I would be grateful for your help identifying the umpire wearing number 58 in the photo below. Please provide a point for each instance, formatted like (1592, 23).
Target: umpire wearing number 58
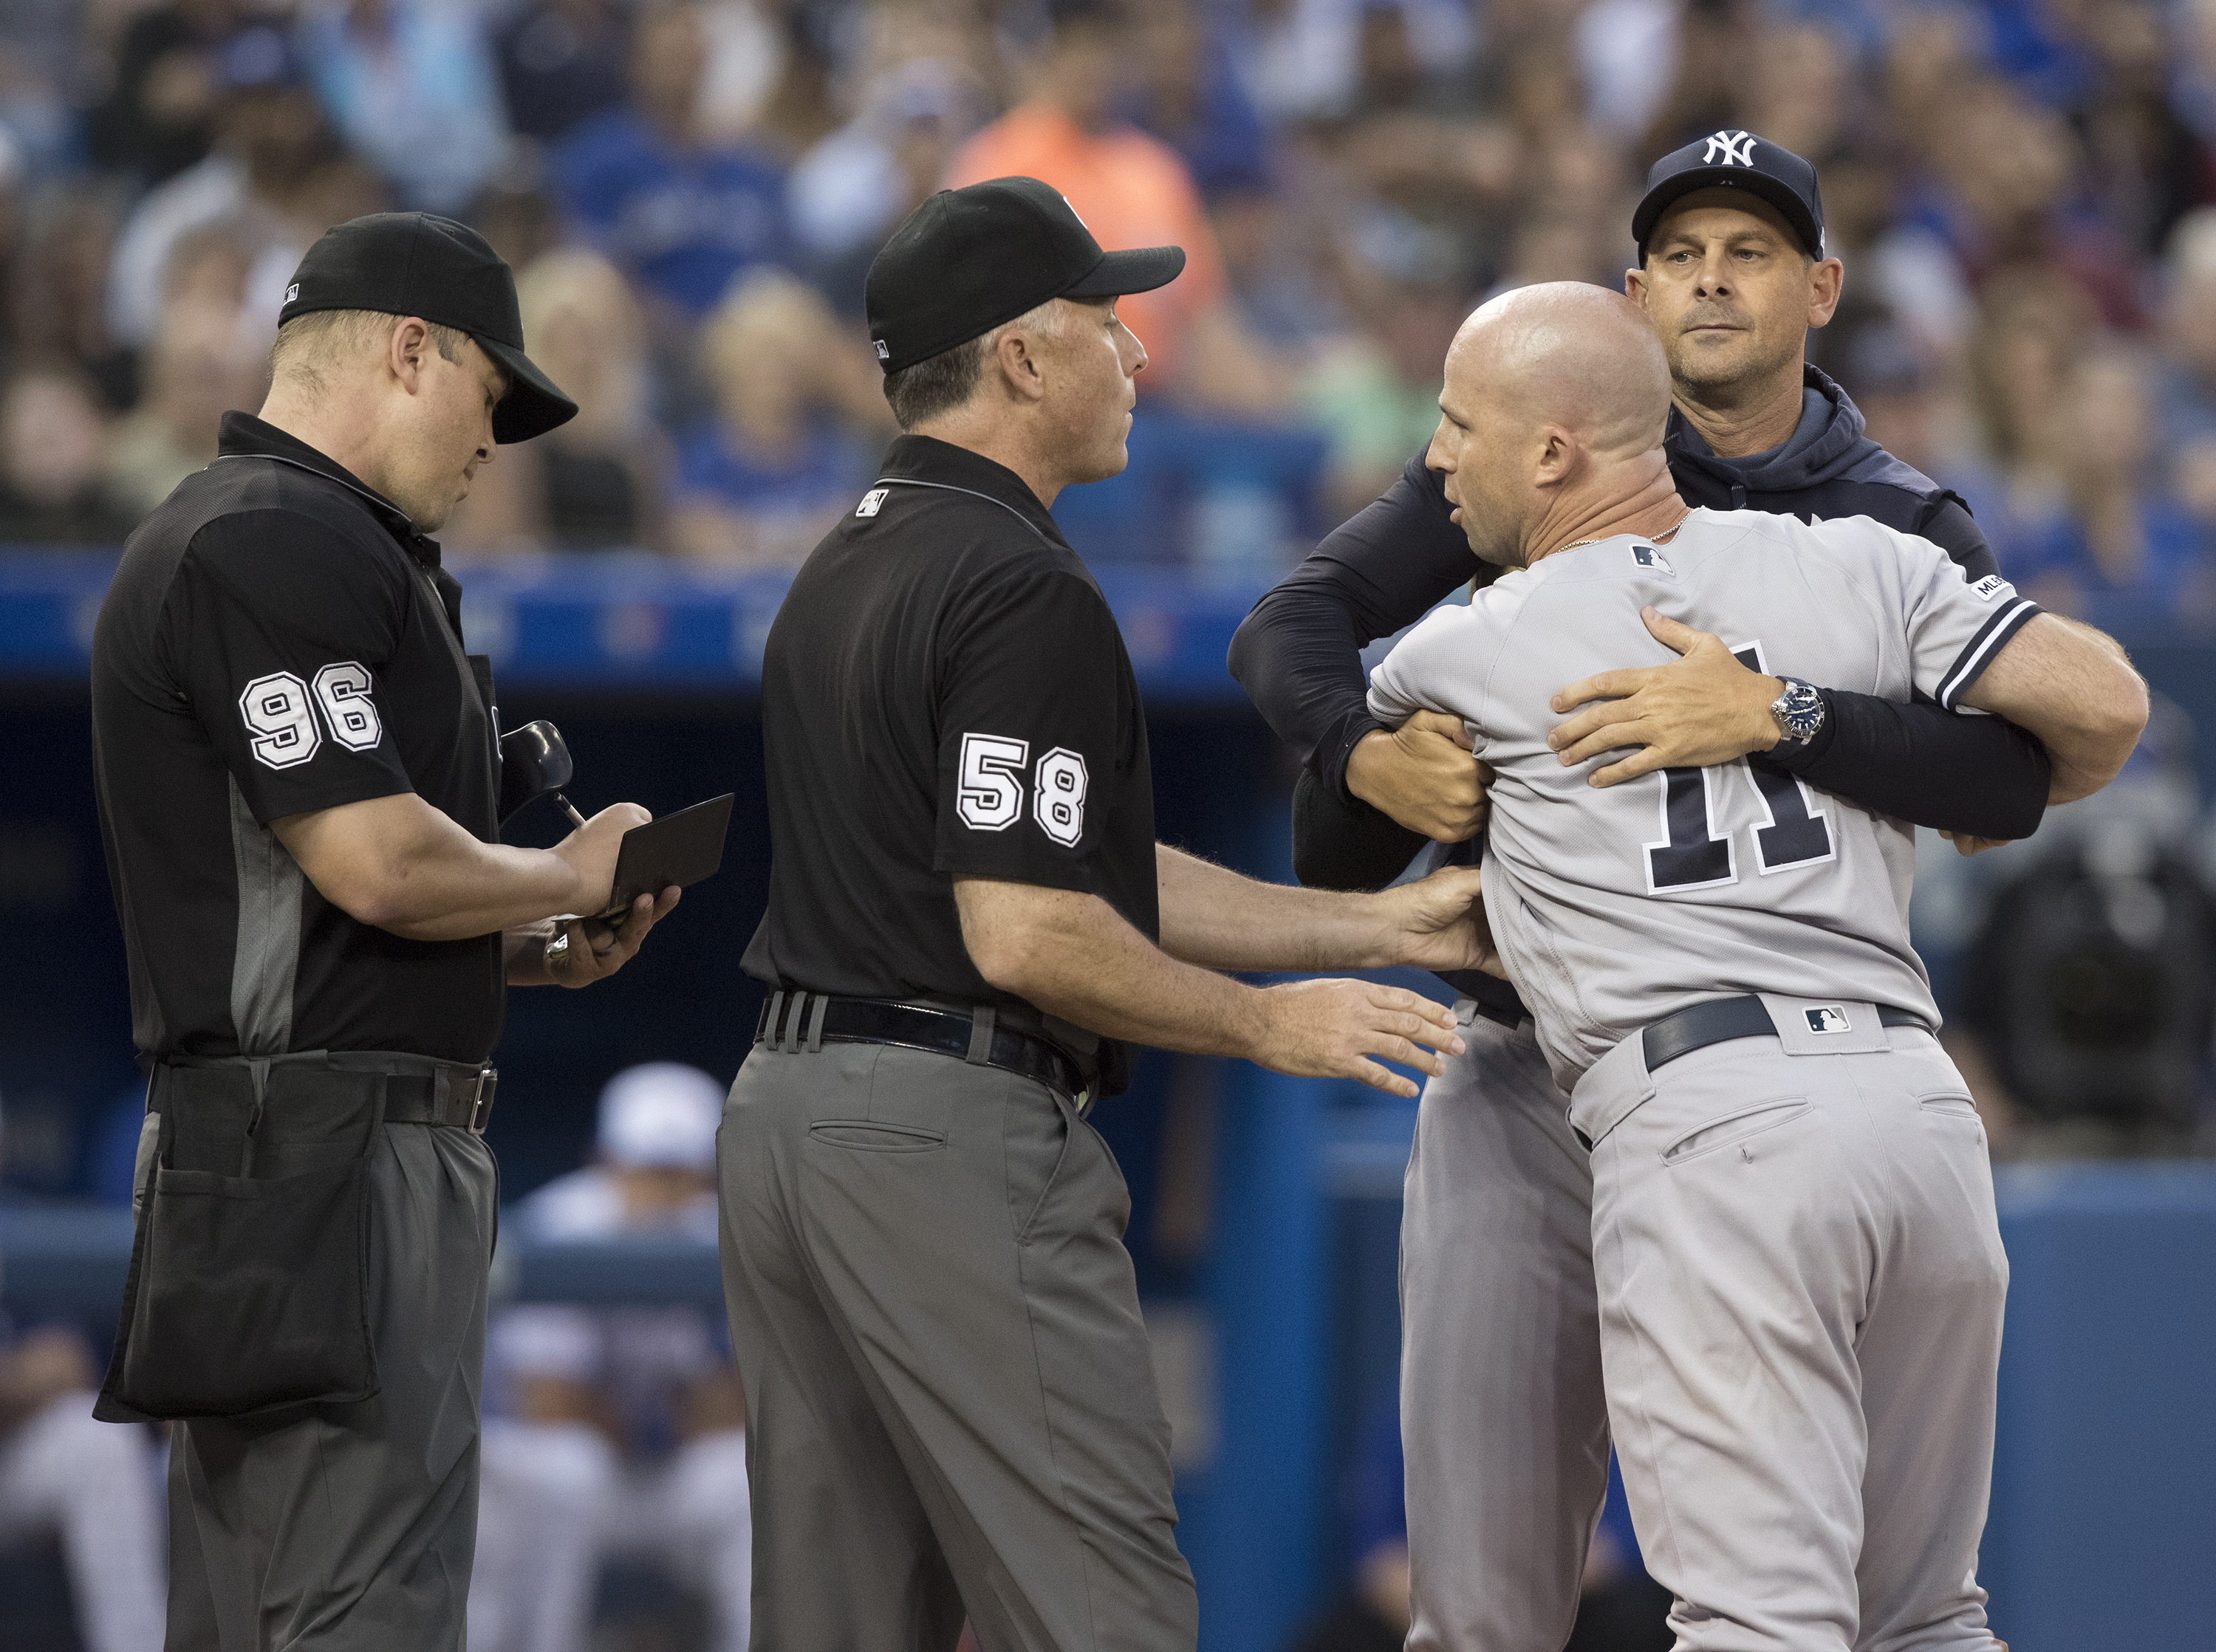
(951, 1409)
(299, 790)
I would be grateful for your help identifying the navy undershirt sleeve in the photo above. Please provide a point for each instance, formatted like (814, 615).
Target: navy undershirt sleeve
(1298, 652)
(1921, 763)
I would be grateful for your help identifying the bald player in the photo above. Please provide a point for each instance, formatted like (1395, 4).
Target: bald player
(1801, 1279)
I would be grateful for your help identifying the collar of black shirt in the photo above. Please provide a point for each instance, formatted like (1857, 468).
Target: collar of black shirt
(244, 436)
(942, 465)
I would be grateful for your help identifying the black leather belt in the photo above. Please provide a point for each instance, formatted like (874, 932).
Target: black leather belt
(459, 1096)
(806, 1021)
(419, 1089)
(1699, 1025)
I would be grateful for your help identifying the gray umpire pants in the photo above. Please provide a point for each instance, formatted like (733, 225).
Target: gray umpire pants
(951, 1406)
(1800, 1283)
(1503, 1417)
(351, 1528)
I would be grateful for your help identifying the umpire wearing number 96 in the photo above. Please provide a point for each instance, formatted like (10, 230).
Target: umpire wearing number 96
(951, 1410)
(299, 790)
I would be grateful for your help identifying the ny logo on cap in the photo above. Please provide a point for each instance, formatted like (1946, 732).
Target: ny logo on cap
(1731, 147)
(1829, 1018)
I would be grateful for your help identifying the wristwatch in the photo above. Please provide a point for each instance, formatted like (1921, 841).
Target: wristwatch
(1798, 712)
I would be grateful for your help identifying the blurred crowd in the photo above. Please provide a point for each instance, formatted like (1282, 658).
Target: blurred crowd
(691, 191)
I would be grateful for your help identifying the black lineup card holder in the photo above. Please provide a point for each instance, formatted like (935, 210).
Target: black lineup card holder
(681, 849)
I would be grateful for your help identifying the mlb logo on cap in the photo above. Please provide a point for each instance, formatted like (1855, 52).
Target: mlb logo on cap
(1827, 1018)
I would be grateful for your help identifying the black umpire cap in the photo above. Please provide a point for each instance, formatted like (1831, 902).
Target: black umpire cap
(420, 264)
(1735, 160)
(968, 260)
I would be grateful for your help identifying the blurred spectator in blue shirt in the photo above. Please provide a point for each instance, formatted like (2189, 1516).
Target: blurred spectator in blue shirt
(597, 483)
(763, 478)
(411, 85)
(1190, 97)
(561, 63)
(2006, 187)
(616, 1430)
(682, 213)
(2123, 542)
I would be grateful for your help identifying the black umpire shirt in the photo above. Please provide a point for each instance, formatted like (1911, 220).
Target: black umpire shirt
(278, 640)
(945, 693)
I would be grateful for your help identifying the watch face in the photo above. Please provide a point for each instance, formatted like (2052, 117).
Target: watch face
(1800, 710)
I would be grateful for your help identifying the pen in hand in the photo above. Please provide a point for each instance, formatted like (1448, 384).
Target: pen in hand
(570, 810)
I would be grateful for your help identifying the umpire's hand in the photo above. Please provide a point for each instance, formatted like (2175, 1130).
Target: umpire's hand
(588, 950)
(1346, 1030)
(1438, 922)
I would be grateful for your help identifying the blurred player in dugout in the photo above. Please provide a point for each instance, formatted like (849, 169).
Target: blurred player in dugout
(615, 1431)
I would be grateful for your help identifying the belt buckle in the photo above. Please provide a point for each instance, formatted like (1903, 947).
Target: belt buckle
(481, 1100)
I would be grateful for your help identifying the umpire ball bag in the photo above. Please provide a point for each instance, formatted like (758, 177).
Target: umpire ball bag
(249, 1288)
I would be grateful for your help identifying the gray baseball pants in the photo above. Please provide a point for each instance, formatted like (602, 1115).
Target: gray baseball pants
(1801, 1282)
(951, 1406)
(1502, 1413)
(351, 1528)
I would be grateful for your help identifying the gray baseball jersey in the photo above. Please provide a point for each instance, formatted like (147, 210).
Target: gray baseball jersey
(1615, 906)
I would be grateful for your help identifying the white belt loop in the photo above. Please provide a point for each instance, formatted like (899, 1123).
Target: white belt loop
(816, 1015)
(982, 1022)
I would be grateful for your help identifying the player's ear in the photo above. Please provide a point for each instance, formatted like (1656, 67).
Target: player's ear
(1556, 458)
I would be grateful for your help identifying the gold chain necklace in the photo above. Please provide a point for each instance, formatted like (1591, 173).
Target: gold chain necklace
(1660, 538)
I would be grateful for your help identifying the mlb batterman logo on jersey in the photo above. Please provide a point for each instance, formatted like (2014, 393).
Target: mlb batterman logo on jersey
(1647, 556)
(1828, 1018)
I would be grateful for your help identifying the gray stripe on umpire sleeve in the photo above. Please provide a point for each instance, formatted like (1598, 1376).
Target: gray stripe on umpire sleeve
(267, 958)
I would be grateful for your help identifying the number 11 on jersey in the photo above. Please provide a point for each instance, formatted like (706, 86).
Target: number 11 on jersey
(1691, 853)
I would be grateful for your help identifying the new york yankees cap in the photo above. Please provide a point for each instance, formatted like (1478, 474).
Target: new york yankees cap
(1735, 160)
(968, 260)
(420, 264)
